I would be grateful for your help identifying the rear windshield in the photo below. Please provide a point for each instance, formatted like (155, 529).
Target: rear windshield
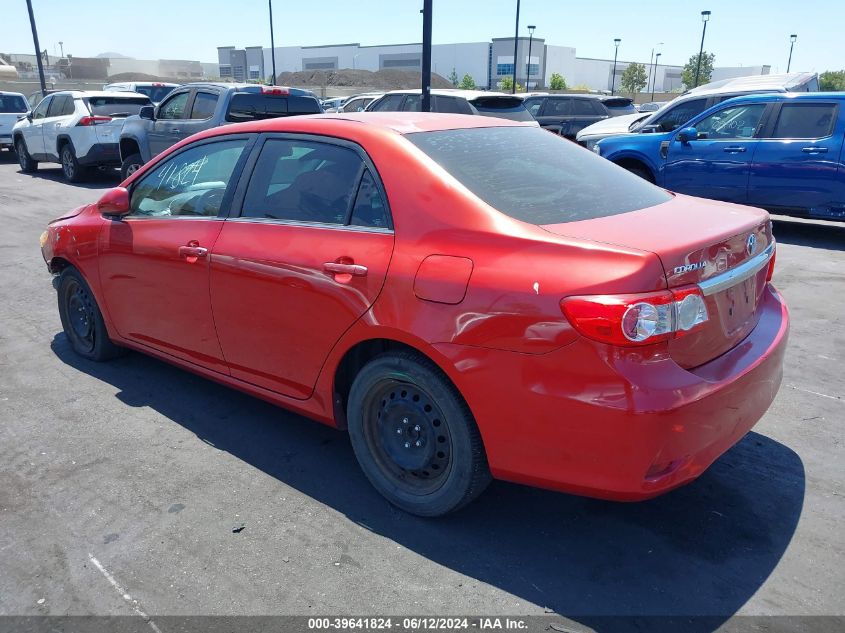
(13, 104)
(504, 107)
(251, 106)
(116, 106)
(155, 93)
(619, 106)
(537, 177)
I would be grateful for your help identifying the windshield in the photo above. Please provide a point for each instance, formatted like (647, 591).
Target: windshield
(155, 93)
(116, 106)
(537, 177)
(13, 104)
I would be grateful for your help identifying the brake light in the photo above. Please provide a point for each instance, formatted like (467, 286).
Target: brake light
(771, 272)
(637, 319)
(93, 120)
(157, 85)
(274, 90)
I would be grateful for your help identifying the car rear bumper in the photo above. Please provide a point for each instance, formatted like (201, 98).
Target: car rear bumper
(101, 154)
(619, 424)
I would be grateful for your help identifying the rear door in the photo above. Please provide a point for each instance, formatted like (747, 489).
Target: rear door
(716, 164)
(305, 258)
(796, 164)
(171, 117)
(60, 113)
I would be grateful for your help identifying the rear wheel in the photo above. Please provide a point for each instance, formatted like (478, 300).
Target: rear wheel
(130, 165)
(82, 320)
(73, 171)
(414, 436)
(24, 159)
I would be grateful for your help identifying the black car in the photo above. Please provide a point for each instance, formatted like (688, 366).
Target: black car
(569, 114)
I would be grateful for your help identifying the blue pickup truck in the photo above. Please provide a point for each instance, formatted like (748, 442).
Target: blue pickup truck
(781, 152)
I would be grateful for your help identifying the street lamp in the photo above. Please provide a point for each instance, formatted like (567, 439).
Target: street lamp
(515, 48)
(616, 43)
(792, 39)
(654, 79)
(272, 44)
(651, 63)
(528, 66)
(62, 48)
(705, 17)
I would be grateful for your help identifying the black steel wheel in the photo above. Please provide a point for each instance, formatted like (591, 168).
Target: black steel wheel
(82, 320)
(414, 435)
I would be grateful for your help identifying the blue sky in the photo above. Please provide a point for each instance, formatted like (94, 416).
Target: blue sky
(741, 32)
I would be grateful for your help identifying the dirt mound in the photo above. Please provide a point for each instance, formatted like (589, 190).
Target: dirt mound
(387, 78)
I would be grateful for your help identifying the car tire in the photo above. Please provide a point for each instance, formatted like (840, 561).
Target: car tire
(27, 164)
(414, 435)
(642, 172)
(82, 320)
(130, 165)
(72, 170)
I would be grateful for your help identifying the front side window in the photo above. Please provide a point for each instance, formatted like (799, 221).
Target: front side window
(189, 184)
(41, 111)
(533, 106)
(674, 118)
(308, 181)
(174, 107)
(805, 120)
(390, 103)
(738, 122)
(204, 105)
(536, 177)
(413, 103)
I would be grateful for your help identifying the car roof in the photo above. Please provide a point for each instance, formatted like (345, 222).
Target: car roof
(11, 94)
(155, 84)
(77, 94)
(469, 95)
(772, 83)
(767, 97)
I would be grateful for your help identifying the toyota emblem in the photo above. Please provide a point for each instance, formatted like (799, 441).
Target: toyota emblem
(751, 244)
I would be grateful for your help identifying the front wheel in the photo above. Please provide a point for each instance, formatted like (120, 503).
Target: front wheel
(130, 165)
(82, 320)
(414, 436)
(24, 159)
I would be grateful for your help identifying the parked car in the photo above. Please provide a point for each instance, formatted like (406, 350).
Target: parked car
(568, 114)
(331, 105)
(155, 90)
(192, 108)
(455, 101)
(693, 102)
(359, 103)
(781, 152)
(651, 106)
(13, 106)
(78, 129)
(551, 320)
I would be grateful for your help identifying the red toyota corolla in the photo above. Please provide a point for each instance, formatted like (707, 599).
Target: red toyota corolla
(468, 296)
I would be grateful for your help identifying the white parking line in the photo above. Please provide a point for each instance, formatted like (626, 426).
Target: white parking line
(123, 593)
(815, 393)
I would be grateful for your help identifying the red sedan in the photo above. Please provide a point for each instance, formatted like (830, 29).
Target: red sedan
(470, 297)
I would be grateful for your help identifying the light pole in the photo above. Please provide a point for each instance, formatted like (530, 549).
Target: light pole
(651, 63)
(792, 39)
(616, 43)
(528, 66)
(515, 47)
(425, 106)
(37, 48)
(62, 48)
(654, 79)
(705, 17)
(272, 45)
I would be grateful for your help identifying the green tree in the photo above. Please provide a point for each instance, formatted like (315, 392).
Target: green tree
(557, 82)
(633, 79)
(467, 83)
(688, 74)
(506, 85)
(453, 78)
(832, 81)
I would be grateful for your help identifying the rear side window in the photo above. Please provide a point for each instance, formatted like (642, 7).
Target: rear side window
(533, 106)
(303, 181)
(504, 107)
(585, 107)
(116, 106)
(369, 208)
(58, 106)
(252, 106)
(450, 105)
(805, 120)
(389, 103)
(413, 103)
(204, 105)
(11, 104)
(537, 177)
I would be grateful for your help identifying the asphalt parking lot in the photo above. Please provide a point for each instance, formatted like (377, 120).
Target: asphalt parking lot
(134, 474)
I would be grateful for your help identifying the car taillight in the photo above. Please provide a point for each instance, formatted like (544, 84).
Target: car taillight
(770, 273)
(637, 319)
(274, 90)
(93, 120)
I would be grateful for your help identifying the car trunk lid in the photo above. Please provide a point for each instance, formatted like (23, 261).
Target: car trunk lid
(109, 112)
(722, 248)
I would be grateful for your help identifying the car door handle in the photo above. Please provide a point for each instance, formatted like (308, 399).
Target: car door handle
(734, 150)
(192, 251)
(175, 130)
(814, 150)
(345, 269)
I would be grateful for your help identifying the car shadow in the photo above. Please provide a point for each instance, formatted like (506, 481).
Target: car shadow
(702, 550)
(94, 179)
(828, 235)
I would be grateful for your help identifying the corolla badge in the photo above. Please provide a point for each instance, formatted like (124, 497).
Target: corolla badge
(688, 268)
(751, 244)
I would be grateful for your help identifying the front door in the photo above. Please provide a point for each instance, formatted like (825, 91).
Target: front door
(33, 133)
(717, 163)
(171, 117)
(154, 262)
(796, 163)
(306, 258)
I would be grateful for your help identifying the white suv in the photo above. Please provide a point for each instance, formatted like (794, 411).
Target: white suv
(75, 128)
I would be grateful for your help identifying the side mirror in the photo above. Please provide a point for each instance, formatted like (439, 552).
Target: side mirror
(147, 112)
(687, 134)
(115, 202)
